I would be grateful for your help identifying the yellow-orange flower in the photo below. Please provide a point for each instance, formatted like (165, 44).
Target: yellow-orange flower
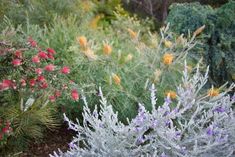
(116, 79)
(94, 22)
(168, 43)
(168, 58)
(82, 41)
(107, 49)
(213, 92)
(171, 94)
(132, 33)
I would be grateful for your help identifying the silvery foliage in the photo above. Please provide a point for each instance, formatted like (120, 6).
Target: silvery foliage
(198, 126)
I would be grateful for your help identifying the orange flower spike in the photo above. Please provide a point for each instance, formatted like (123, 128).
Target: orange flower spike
(168, 59)
(116, 79)
(172, 94)
(107, 49)
(213, 92)
(82, 41)
(132, 33)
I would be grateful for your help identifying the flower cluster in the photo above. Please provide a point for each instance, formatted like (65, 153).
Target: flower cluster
(200, 124)
(35, 73)
(5, 131)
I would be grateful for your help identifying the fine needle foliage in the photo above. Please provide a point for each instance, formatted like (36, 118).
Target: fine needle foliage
(202, 124)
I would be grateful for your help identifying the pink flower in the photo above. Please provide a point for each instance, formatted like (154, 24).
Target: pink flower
(50, 56)
(57, 93)
(74, 94)
(49, 67)
(16, 62)
(52, 98)
(23, 82)
(18, 54)
(5, 84)
(51, 51)
(32, 42)
(42, 55)
(5, 130)
(36, 59)
(38, 71)
(41, 78)
(65, 70)
(32, 82)
(44, 85)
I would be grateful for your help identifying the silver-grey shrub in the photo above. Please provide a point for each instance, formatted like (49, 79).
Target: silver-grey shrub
(197, 126)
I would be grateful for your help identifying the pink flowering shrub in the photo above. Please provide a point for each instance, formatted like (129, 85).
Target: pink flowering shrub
(34, 72)
(31, 86)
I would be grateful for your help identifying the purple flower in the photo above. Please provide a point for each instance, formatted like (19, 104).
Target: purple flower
(168, 100)
(219, 109)
(71, 145)
(163, 155)
(154, 123)
(140, 140)
(210, 130)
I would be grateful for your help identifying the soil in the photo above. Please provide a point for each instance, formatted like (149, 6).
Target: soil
(51, 142)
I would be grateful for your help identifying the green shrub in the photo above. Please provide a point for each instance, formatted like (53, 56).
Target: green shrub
(218, 38)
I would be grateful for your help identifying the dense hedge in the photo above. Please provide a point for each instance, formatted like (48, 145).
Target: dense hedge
(219, 42)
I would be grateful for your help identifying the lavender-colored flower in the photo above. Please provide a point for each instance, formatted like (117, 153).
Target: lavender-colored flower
(163, 155)
(210, 130)
(219, 109)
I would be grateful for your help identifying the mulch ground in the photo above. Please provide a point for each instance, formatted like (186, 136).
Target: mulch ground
(51, 142)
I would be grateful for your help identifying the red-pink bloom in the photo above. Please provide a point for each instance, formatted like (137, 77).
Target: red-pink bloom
(32, 82)
(5, 130)
(52, 98)
(32, 42)
(49, 67)
(5, 84)
(41, 78)
(36, 59)
(38, 71)
(44, 85)
(50, 56)
(18, 54)
(23, 82)
(65, 70)
(74, 94)
(57, 93)
(51, 51)
(42, 55)
(16, 62)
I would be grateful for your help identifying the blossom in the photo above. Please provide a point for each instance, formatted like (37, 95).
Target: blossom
(42, 55)
(90, 54)
(116, 79)
(168, 58)
(43, 85)
(36, 59)
(213, 92)
(5, 130)
(49, 67)
(38, 71)
(132, 33)
(168, 43)
(32, 82)
(74, 94)
(5, 84)
(50, 56)
(23, 82)
(51, 51)
(65, 70)
(82, 41)
(52, 98)
(18, 54)
(107, 49)
(171, 94)
(57, 93)
(41, 78)
(16, 62)
(32, 42)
